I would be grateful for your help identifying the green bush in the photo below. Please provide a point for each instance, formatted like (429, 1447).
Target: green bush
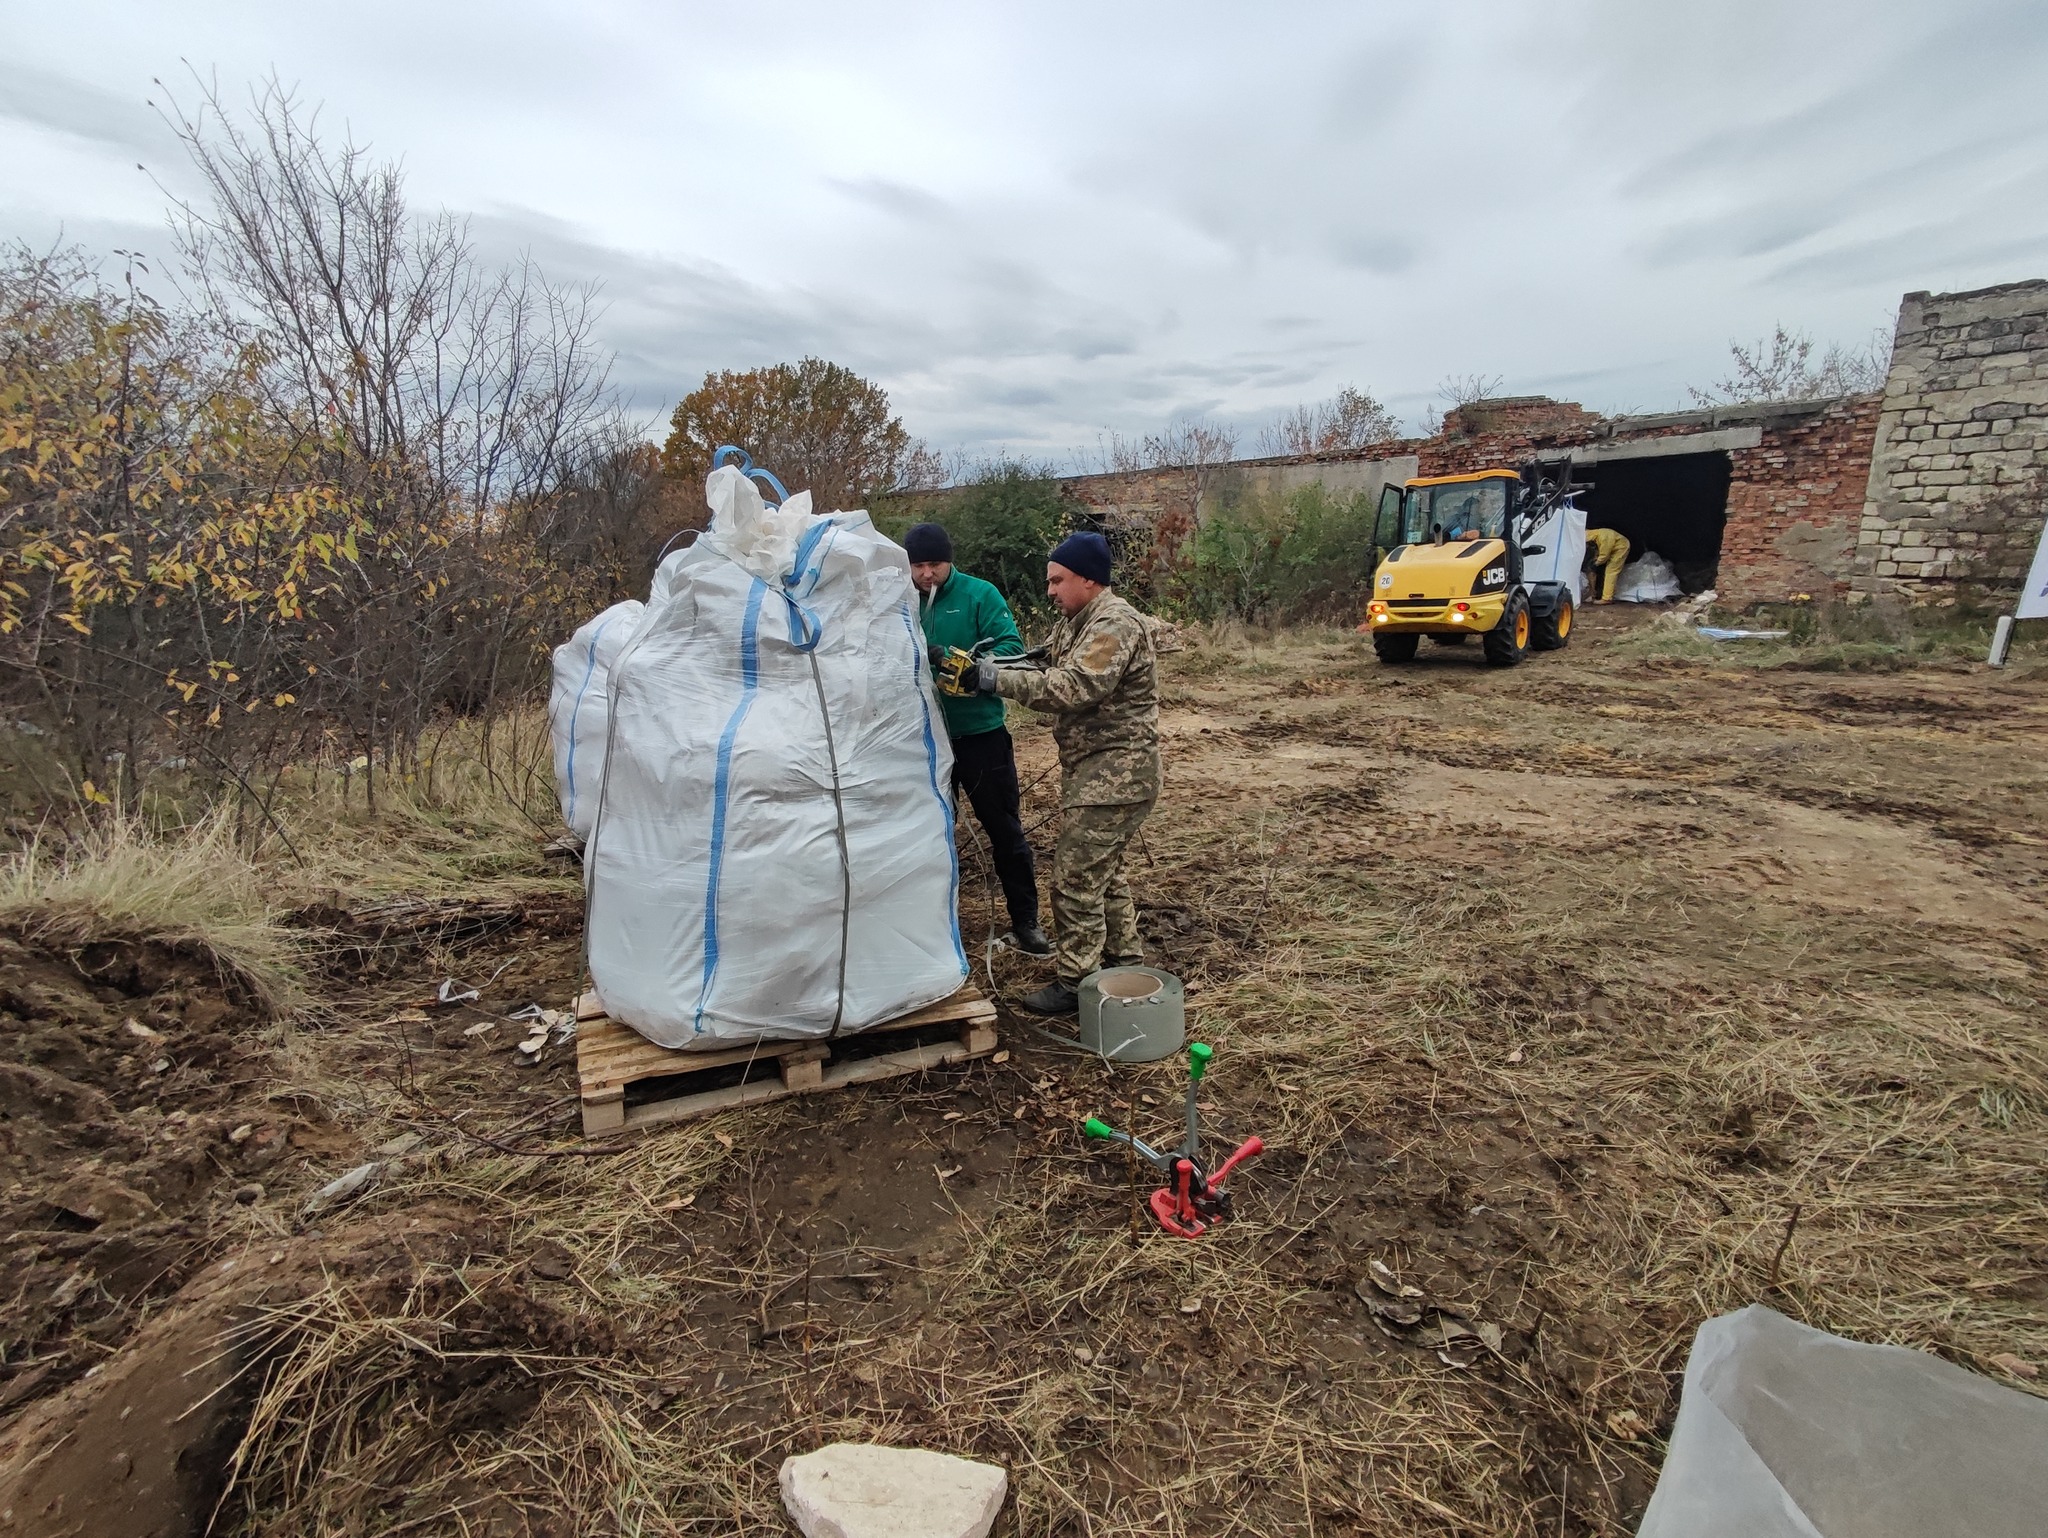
(1282, 559)
(1003, 520)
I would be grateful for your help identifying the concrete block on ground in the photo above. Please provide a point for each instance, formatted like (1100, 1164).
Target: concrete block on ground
(859, 1490)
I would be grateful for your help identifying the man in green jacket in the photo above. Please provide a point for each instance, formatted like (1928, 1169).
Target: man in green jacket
(963, 611)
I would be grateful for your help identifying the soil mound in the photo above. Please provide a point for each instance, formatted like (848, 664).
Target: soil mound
(132, 1077)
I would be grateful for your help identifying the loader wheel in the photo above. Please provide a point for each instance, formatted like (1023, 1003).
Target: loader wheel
(1506, 642)
(1552, 630)
(1396, 648)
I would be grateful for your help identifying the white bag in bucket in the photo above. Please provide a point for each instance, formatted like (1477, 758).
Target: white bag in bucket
(773, 858)
(579, 709)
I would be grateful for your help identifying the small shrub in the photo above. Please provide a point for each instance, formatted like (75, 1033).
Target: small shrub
(1003, 520)
(1276, 560)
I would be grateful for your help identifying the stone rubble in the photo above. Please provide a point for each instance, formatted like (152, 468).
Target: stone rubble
(859, 1490)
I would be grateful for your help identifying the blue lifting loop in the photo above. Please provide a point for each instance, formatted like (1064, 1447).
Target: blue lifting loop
(732, 451)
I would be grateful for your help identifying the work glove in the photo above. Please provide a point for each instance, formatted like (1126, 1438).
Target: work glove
(984, 676)
(935, 654)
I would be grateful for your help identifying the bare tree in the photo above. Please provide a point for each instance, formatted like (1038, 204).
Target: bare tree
(1780, 367)
(1349, 422)
(439, 397)
(380, 327)
(1188, 443)
(1456, 390)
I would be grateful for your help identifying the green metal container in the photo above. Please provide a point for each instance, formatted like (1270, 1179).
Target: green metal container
(1133, 1014)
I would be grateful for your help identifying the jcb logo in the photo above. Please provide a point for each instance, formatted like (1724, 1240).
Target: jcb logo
(1493, 576)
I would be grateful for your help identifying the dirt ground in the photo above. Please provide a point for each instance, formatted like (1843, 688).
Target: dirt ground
(1588, 998)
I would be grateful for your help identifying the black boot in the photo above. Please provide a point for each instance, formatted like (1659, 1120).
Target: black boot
(1031, 940)
(1054, 998)
(1123, 961)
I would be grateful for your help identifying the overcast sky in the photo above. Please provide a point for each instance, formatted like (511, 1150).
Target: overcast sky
(1036, 223)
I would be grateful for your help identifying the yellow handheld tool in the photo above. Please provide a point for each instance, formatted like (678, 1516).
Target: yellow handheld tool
(955, 673)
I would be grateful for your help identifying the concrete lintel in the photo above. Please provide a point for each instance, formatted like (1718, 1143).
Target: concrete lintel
(1724, 441)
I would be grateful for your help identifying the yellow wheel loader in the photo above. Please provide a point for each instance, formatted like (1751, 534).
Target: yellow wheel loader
(1495, 554)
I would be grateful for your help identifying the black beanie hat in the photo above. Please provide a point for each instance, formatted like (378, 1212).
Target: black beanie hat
(927, 542)
(1085, 554)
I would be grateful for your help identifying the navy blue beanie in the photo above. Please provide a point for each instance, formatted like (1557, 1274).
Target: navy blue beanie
(927, 542)
(1084, 554)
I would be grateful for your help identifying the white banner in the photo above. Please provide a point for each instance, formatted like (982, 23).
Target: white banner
(2034, 596)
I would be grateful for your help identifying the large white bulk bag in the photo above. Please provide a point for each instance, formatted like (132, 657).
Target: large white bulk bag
(774, 855)
(579, 709)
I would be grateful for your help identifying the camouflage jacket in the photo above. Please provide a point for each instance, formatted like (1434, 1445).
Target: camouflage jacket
(1101, 686)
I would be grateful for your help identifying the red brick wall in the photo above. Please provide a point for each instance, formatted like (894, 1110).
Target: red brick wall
(1794, 505)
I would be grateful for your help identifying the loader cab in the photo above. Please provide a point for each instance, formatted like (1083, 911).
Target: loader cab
(1463, 507)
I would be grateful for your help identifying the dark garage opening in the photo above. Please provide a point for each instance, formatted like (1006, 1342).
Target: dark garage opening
(1675, 504)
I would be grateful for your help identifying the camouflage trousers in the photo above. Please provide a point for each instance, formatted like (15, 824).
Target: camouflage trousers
(1092, 912)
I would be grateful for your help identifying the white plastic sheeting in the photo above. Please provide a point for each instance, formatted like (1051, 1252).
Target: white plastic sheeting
(1563, 538)
(1785, 1431)
(773, 858)
(1647, 579)
(579, 709)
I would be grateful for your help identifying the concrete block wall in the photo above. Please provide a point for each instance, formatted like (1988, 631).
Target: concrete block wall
(1958, 477)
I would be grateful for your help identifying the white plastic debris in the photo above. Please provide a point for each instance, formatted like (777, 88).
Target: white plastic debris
(1717, 633)
(543, 1027)
(1785, 1431)
(856, 1490)
(773, 854)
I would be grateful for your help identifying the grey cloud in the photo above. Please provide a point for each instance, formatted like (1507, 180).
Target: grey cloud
(1946, 79)
(1374, 83)
(1033, 253)
(912, 204)
(48, 100)
(1381, 254)
(1928, 256)
(1085, 346)
(1021, 395)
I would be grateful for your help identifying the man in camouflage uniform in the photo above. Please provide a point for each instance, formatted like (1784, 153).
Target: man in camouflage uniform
(1100, 684)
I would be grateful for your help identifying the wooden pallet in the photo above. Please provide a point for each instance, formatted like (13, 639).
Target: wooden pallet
(611, 1057)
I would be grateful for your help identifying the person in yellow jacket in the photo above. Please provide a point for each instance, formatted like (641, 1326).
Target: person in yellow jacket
(1610, 554)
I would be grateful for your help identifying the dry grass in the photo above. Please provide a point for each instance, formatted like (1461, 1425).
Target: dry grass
(475, 812)
(1579, 1093)
(474, 816)
(193, 888)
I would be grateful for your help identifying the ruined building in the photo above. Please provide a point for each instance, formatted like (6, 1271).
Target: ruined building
(1938, 480)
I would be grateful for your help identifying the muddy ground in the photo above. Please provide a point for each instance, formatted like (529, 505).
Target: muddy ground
(1590, 998)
